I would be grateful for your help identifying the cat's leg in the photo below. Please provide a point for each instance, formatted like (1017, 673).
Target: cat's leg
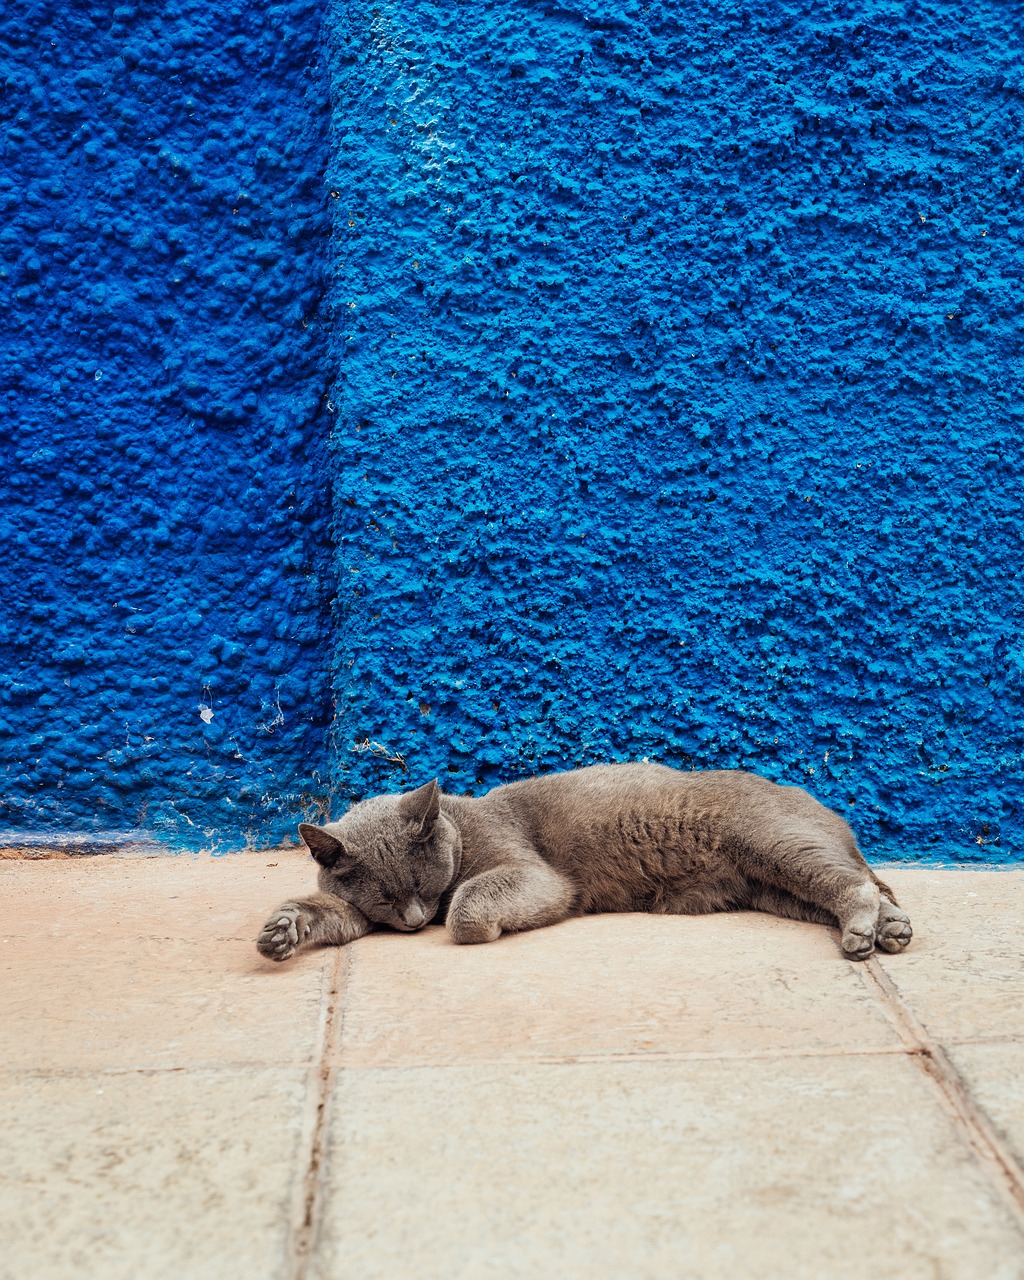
(319, 920)
(778, 902)
(508, 899)
(892, 929)
(823, 868)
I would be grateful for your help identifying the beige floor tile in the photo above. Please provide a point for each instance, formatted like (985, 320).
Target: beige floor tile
(227, 888)
(113, 962)
(825, 1169)
(994, 1075)
(631, 1096)
(183, 1175)
(611, 985)
(963, 975)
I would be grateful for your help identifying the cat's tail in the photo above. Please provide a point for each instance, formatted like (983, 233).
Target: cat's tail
(883, 888)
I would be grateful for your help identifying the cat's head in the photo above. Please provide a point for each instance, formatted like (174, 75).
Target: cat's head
(392, 856)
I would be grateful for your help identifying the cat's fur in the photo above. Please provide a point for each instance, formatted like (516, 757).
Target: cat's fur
(626, 837)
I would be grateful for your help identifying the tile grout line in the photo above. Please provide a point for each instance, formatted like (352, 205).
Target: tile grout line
(933, 1061)
(353, 1063)
(308, 1191)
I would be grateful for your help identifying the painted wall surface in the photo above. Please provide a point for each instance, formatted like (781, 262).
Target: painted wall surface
(678, 356)
(163, 493)
(670, 373)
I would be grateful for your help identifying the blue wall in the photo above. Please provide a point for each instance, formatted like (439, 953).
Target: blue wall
(164, 504)
(665, 361)
(678, 361)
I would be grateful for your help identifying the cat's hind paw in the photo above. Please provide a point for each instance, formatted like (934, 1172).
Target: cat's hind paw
(282, 933)
(858, 942)
(894, 931)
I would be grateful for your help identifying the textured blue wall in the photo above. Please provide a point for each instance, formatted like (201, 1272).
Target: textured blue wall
(678, 359)
(163, 497)
(675, 363)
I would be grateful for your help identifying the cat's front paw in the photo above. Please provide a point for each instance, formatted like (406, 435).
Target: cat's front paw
(466, 931)
(283, 932)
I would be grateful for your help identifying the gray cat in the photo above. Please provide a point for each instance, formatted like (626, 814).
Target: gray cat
(621, 837)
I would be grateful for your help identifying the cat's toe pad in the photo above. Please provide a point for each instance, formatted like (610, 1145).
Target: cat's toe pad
(858, 944)
(894, 934)
(280, 935)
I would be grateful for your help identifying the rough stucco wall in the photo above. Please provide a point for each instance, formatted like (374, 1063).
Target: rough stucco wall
(677, 352)
(164, 505)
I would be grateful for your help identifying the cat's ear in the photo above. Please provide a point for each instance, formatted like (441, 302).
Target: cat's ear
(328, 851)
(422, 807)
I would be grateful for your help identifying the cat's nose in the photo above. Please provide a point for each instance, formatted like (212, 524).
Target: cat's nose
(413, 915)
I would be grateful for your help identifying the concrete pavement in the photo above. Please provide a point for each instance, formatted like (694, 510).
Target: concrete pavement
(619, 1096)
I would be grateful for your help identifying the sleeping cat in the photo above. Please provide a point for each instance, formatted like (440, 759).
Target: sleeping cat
(621, 837)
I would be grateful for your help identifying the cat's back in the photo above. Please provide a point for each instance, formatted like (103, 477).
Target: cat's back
(583, 809)
(618, 788)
